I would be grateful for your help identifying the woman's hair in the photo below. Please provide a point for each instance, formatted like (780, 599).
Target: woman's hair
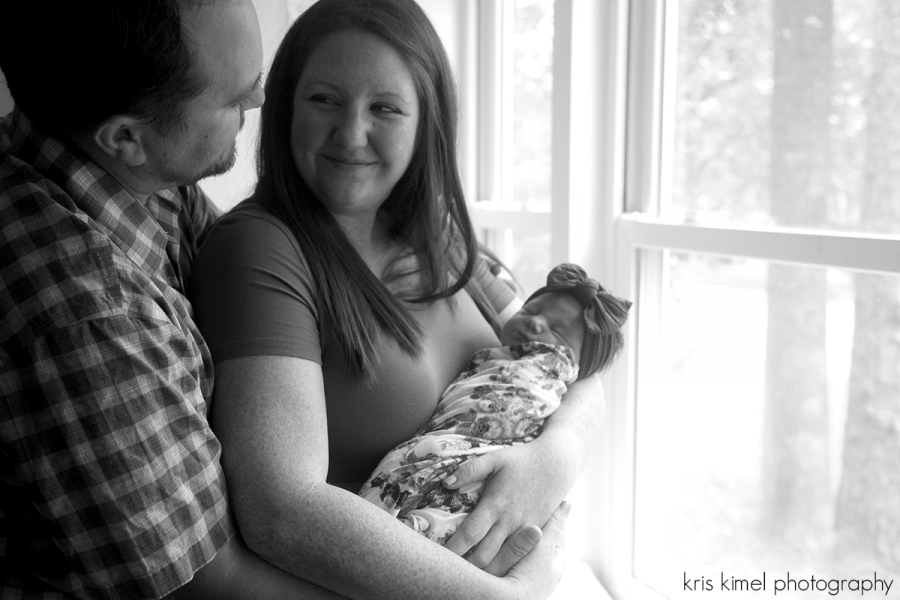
(71, 65)
(426, 208)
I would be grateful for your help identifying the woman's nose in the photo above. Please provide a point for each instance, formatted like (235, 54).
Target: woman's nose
(352, 130)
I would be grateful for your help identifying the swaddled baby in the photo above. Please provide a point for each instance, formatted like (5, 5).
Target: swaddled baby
(565, 331)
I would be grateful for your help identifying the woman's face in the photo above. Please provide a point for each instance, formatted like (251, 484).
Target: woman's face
(353, 130)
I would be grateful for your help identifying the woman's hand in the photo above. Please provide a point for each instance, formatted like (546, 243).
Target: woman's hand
(524, 484)
(540, 572)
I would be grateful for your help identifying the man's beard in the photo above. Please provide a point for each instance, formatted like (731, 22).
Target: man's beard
(222, 165)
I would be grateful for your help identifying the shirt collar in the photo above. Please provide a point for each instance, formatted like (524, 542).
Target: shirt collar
(142, 230)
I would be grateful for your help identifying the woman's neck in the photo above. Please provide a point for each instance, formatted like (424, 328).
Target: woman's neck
(369, 236)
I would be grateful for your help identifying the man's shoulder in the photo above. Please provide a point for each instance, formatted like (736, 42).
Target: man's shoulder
(55, 269)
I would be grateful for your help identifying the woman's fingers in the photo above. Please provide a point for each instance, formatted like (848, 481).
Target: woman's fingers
(489, 543)
(465, 541)
(472, 471)
(514, 549)
(477, 525)
(542, 568)
(556, 526)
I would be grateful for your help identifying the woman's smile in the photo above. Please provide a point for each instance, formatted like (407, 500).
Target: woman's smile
(340, 162)
(348, 158)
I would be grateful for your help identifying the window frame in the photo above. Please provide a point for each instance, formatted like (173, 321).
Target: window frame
(612, 139)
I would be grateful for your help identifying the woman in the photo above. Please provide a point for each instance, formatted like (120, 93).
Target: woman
(342, 298)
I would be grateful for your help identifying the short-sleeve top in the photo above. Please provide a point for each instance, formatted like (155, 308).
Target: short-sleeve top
(253, 294)
(110, 482)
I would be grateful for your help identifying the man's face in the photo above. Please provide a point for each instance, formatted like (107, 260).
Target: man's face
(227, 57)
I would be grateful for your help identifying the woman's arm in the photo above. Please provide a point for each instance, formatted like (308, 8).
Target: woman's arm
(269, 413)
(526, 483)
(237, 574)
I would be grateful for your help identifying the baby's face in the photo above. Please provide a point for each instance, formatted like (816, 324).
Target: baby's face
(552, 318)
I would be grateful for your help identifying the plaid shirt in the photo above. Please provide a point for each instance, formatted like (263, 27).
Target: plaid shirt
(110, 482)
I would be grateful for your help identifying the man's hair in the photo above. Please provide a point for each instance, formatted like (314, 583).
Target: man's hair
(427, 209)
(70, 65)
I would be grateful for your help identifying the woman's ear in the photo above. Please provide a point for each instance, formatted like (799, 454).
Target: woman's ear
(121, 138)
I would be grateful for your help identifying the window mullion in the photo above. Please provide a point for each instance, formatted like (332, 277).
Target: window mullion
(639, 276)
(646, 53)
(590, 73)
(495, 100)
(589, 83)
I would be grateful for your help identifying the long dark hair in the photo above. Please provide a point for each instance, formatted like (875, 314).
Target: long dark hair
(426, 208)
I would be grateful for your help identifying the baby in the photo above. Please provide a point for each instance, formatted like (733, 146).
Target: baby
(566, 330)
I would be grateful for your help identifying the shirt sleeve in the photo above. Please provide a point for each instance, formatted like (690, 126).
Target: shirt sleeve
(198, 215)
(110, 471)
(251, 259)
(498, 287)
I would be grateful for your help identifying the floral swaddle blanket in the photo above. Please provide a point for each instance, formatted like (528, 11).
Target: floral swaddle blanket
(502, 397)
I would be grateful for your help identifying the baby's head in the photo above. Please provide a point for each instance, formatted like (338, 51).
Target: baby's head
(572, 310)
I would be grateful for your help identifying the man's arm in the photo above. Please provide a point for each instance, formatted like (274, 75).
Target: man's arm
(105, 422)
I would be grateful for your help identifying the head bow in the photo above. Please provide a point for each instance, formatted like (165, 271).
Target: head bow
(604, 314)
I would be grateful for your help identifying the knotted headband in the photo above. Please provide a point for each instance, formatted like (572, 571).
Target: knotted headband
(604, 314)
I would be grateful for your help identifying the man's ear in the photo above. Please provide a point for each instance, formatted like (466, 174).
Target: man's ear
(121, 137)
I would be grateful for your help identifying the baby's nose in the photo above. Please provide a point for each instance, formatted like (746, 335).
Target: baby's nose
(536, 324)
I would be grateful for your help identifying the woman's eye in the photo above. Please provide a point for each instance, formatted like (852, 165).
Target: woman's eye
(385, 108)
(321, 99)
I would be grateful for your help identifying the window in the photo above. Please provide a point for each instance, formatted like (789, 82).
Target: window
(733, 166)
(766, 272)
(539, 101)
(514, 189)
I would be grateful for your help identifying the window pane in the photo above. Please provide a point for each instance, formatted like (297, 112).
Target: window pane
(785, 113)
(767, 429)
(527, 121)
(527, 254)
(532, 103)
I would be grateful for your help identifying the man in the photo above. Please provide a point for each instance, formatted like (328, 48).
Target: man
(110, 482)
